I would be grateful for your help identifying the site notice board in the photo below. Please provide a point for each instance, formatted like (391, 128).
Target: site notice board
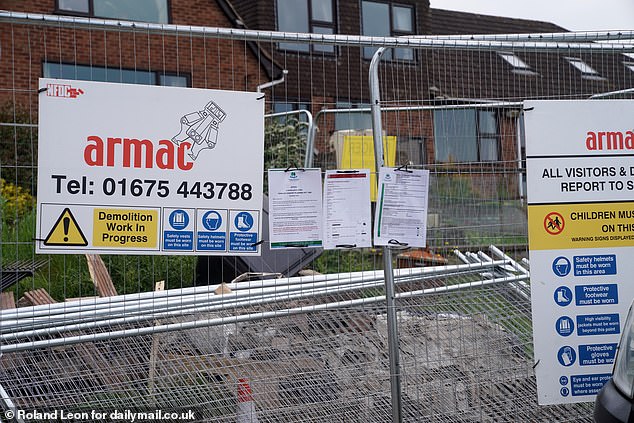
(580, 183)
(136, 169)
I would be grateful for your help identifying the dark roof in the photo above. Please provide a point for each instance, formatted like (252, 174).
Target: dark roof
(449, 22)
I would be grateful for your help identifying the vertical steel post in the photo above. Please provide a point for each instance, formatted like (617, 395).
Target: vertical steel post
(392, 324)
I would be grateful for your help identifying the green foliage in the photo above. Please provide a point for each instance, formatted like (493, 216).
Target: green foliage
(16, 202)
(18, 146)
(453, 187)
(284, 145)
(341, 261)
(140, 273)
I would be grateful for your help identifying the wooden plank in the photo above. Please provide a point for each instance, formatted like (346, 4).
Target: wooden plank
(7, 301)
(38, 296)
(100, 276)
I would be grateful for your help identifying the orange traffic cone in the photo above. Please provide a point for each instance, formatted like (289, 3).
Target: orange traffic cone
(246, 407)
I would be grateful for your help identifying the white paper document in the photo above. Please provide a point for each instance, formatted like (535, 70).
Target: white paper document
(295, 207)
(347, 209)
(401, 208)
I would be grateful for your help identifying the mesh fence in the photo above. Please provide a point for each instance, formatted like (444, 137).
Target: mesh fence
(308, 340)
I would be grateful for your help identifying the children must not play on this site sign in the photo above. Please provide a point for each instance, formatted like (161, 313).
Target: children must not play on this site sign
(136, 169)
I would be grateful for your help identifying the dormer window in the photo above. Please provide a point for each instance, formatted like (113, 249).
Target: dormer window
(517, 64)
(586, 70)
(629, 63)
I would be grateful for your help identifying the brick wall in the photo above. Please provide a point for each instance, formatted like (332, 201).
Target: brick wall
(209, 63)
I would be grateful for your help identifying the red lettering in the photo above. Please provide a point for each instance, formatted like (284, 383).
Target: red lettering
(165, 155)
(136, 153)
(182, 163)
(135, 147)
(610, 140)
(93, 153)
(110, 153)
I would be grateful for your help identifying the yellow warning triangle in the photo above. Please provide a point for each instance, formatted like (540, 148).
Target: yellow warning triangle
(66, 231)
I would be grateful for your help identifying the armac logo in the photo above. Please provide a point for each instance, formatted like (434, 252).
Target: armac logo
(610, 140)
(198, 132)
(64, 91)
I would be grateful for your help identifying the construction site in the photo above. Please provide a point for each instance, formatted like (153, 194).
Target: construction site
(178, 331)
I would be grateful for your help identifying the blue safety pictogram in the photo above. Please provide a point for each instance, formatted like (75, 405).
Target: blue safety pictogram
(179, 219)
(212, 220)
(243, 221)
(561, 266)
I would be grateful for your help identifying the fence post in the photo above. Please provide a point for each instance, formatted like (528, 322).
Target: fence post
(392, 324)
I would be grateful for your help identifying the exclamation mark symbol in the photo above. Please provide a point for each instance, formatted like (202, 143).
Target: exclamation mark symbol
(66, 222)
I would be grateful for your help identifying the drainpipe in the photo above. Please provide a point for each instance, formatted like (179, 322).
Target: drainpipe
(272, 83)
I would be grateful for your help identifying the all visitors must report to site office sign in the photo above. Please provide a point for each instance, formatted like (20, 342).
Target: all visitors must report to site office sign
(580, 184)
(136, 169)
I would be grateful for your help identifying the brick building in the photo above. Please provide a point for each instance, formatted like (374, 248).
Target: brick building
(322, 78)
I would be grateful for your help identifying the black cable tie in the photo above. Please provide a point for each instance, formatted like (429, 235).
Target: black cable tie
(347, 171)
(41, 90)
(257, 243)
(403, 168)
(345, 245)
(536, 363)
(260, 98)
(528, 109)
(397, 243)
(38, 239)
(294, 167)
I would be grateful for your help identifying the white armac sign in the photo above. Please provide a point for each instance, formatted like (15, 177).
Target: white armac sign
(135, 169)
(580, 174)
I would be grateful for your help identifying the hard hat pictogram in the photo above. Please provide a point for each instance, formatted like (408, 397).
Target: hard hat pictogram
(66, 231)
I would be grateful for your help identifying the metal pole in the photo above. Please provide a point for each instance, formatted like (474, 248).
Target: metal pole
(509, 42)
(392, 323)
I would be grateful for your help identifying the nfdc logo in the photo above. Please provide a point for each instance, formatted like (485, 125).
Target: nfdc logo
(65, 91)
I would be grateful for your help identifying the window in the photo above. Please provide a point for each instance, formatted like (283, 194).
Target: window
(586, 70)
(106, 74)
(284, 107)
(518, 65)
(410, 151)
(466, 135)
(137, 10)
(380, 19)
(352, 119)
(315, 16)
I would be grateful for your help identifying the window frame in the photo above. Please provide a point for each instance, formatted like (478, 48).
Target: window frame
(312, 23)
(156, 74)
(91, 12)
(478, 133)
(518, 65)
(586, 71)
(389, 56)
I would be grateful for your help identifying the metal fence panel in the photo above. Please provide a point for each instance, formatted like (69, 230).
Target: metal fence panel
(309, 343)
